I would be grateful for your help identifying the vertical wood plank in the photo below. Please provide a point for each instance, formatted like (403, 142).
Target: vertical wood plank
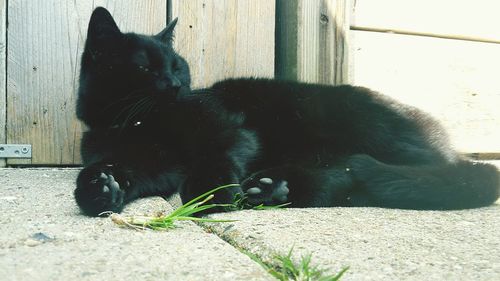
(313, 40)
(45, 44)
(286, 39)
(145, 16)
(3, 75)
(225, 38)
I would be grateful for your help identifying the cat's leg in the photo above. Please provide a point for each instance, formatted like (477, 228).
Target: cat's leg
(107, 186)
(220, 162)
(300, 185)
(440, 185)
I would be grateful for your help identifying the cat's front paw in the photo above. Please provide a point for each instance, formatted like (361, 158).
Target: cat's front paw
(97, 192)
(265, 191)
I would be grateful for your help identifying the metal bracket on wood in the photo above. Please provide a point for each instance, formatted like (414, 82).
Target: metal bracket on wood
(15, 150)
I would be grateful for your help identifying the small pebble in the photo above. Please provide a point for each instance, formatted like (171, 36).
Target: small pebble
(32, 243)
(42, 237)
(9, 198)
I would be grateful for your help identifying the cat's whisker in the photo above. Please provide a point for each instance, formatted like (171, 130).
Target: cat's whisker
(139, 93)
(136, 109)
(124, 110)
(120, 101)
(151, 106)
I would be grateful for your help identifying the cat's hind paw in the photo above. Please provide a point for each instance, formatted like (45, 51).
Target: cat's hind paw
(266, 191)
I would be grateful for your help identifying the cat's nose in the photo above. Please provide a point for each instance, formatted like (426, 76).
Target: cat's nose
(171, 83)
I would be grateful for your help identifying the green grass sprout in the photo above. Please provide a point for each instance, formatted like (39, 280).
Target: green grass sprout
(262, 207)
(240, 202)
(184, 212)
(289, 270)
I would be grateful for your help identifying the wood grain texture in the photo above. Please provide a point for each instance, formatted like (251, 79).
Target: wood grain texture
(225, 38)
(455, 81)
(3, 74)
(313, 40)
(466, 18)
(45, 43)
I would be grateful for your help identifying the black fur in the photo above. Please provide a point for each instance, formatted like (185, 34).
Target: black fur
(312, 145)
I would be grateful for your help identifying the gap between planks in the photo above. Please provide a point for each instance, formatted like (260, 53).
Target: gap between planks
(424, 34)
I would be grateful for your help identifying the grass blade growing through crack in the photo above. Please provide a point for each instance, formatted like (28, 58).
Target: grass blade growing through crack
(285, 269)
(184, 212)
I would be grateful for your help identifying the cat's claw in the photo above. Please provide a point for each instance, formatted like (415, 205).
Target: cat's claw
(266, 191)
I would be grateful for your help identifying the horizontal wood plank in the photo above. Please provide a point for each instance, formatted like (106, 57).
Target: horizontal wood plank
(466, 18)
(454, 81)
(225, 38)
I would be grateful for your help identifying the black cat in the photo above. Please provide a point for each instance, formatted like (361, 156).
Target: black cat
(150, 134)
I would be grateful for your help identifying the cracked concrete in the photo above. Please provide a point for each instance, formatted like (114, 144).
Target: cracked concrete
(44, 237)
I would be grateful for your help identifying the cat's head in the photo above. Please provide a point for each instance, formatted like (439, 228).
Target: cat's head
(117, 66)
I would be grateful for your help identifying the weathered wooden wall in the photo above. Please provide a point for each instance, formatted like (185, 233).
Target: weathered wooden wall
(455, 80)
(370, 43)
(313, 40)
(225, 38)
(45, 41)
(3, 74)
(219, 39)
(469, 20)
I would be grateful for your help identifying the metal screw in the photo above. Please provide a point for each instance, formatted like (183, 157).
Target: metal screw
(25, 150)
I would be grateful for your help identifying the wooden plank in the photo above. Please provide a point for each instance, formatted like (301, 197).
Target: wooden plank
(286, 39)
(462, 18)
(225, 38)
(3, 81)
(455, 81)
(313, 40)
(45, 43)
(496, 163)
(145, 16)
(484, 156)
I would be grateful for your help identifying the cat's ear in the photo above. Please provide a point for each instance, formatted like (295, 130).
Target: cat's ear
(102, 26)
(167, 34)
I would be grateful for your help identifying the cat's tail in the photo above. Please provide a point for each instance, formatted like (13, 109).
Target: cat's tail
(460, 185)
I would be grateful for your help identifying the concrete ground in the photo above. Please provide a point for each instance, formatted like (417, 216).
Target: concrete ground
(44, 237)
